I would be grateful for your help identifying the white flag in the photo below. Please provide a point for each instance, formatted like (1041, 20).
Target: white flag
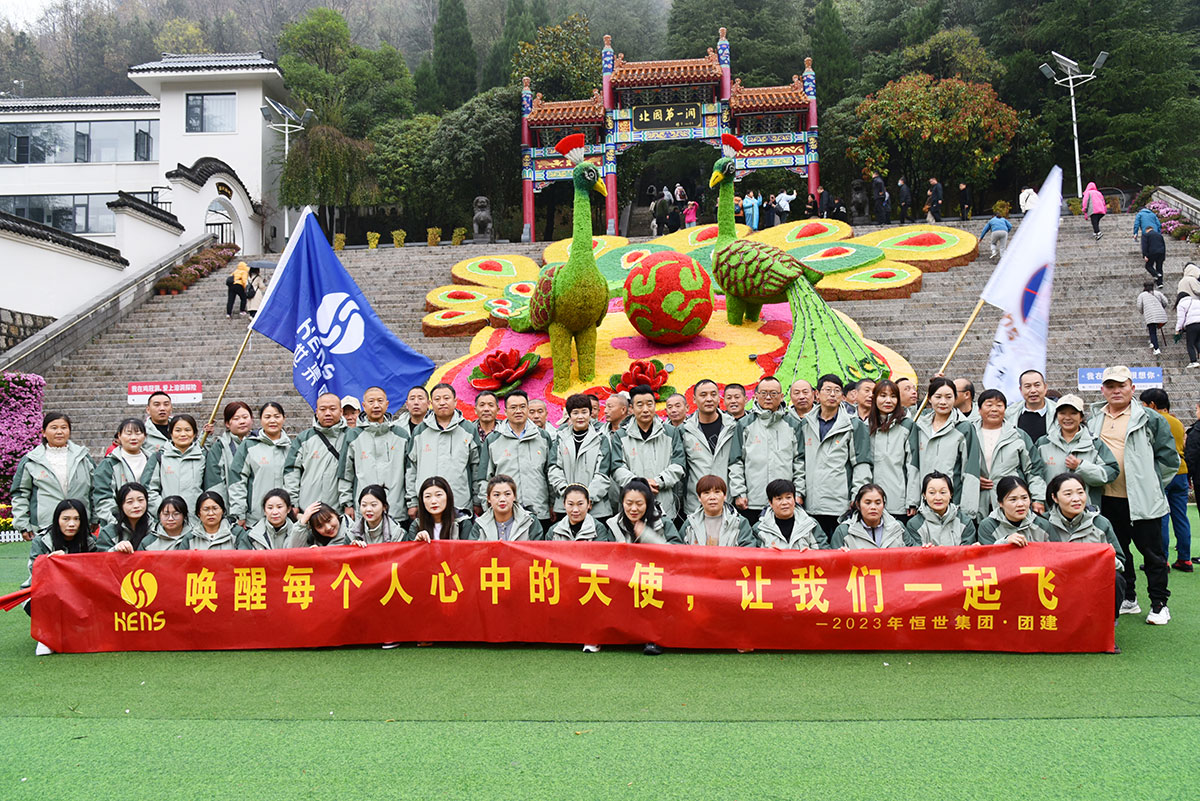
(1021, 286)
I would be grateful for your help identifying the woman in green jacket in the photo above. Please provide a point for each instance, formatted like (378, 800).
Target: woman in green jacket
(374, 524)
(784, 525)
(437, 516)
(640, 520)
(1069, 447)
(870, 525)
(943, 442)
(257, 468)
(318, 526)
(221, 450)
(505, 519)
(125, 464)
(132, 523)
(172, 529)
(66, 534)
(891, 456)
(178, 468)
(1012, 522)
(577, 523)
(716, 522)
(274, 528)
(1071, 519)
(938, 522)
(53, 471)
(214, 532)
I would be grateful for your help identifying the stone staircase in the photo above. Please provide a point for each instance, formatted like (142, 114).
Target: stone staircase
(1093, 322)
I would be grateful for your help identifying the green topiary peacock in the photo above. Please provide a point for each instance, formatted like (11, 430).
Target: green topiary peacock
(753, 273)
(571, 299)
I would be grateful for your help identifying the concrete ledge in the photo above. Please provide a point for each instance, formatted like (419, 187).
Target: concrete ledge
(60, 339)
(1181, 200)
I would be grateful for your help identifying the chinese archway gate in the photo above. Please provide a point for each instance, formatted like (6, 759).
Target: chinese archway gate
(665, 101)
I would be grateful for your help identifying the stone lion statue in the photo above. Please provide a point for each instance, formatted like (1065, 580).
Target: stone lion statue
(859, 205)
(483, 220)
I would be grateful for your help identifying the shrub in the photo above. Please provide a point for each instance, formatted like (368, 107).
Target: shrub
(458, 236)
(1142, 197)
(398, 237)
(372, 240)
(1113, 203)
(433, 236)
(20, 424)
(1194, 237)
(1075, 205)
(1001, 208)
(339, 241)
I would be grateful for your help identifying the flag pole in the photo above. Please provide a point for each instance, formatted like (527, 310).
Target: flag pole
(212, 417)
(961, 336)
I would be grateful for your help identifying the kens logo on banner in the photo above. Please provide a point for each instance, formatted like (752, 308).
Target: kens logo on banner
(139, 589)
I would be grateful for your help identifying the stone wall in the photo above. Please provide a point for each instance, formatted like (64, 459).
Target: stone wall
(15, 327)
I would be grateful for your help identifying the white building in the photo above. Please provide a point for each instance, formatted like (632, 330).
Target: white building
(137, 176)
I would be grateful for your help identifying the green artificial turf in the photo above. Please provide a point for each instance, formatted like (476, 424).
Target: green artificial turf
(550, 722)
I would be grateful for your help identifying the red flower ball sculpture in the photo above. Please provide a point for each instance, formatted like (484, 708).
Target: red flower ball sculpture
(651, 373)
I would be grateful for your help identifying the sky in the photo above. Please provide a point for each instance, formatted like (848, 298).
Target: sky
(22, 12)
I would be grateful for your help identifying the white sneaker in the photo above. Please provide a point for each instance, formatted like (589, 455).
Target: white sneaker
(1192, 366)
(1130, 607)
(1157, 352)
(42, 650)
(1159, 618)
(387, 646)
(591, 649)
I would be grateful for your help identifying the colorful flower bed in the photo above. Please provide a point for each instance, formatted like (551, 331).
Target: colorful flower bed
(200, 265)
(20, 424)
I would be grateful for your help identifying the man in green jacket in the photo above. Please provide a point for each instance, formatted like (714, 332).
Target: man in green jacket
(712, 445)
(444, 445)
(1034, 413)
(1134, 502)
(158, 414)
(520, 449)
(375, 452)
(646, 448)
(772, 447)
(310, 473)
(836, 453)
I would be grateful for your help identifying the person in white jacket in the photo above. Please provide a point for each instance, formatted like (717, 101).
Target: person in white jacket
(1153, 306)
(1187, 322)
(1028, 200)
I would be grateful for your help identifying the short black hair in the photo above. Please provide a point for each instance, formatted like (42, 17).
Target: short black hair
(484, 394)
(935, 383)
(1027, 372)
(735, 386)
(516, 393)
(991, 394)
(703, 381)
(154, 395)
(1156, 396)
(829, 378)
(778, 487)
(850, 386)
(578, 401)
(639, 390)
(444, 385)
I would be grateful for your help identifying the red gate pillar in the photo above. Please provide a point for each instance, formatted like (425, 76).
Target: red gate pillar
(526, 163)
(813, 159)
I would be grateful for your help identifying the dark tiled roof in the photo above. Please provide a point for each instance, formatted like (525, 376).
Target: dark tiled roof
(767, 98)
(666, 73)
(32, 230)
(201, 62)
(127, 201)
(116, 103)
(568, 112)
(204, 168)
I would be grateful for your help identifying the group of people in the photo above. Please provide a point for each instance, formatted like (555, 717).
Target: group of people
(835, 465)
(1153, 305)
(671, 210)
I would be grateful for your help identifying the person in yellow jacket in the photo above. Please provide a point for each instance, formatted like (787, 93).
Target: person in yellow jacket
(236, 286)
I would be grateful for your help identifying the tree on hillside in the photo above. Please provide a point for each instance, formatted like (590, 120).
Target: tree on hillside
(518, 27)
(833, 58)
(476, 150)
(539, 11)
(561, 62)
(454, 58)
(951, 53)
(921, 126)
(764, 36)
(400, 161)
(21, 64)
(638, 27)
(428, 94)
(180, 36)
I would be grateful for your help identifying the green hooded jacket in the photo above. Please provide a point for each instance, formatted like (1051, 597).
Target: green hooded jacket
(927, 527)
(174, 472)
(725, 461)
(262, 536)
(527, 458)
(374, 453)
(36, 490)
(590, 465)
(1097, 465)
(772, 447)
(1014, 456)
(310, 472)
(524, 527)
(452, 452)
(854, 535)
(996, 528)
(658, 457)
(663, 532)
(112, 473)
(1088, 526)
(1151, 460)
(257, 469)
(219, 455)
(589, 531)
(735, 530)
(954, 450)
(835, 467)
(891, 464)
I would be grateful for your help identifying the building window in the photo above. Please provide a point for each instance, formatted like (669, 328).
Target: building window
(211, 113)
(78, 142)
(75, 214)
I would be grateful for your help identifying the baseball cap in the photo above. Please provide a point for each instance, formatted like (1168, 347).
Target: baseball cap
(1119, 373)
(1073, 401)
(352, 402)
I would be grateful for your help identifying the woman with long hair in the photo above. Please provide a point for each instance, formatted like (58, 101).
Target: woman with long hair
(132, 522)
(437, 517)
(870, 525)
(891, 433)
(640, 520)
(944, 442)
(123, 465)
(66, 534)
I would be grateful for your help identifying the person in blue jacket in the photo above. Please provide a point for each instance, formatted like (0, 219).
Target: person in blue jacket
(996, 233)
(1144, 220)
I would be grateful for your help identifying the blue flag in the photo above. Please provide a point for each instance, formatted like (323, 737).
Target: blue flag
(313, 308)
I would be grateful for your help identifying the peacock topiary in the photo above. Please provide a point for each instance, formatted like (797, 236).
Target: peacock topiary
(571, 299)
(755, 273)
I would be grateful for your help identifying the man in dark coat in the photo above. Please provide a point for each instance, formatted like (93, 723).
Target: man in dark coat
(1154, 250)
(905, 200)
(935, 199)
(879, 198)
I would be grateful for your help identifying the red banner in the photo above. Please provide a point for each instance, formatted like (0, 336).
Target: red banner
(1045, 597)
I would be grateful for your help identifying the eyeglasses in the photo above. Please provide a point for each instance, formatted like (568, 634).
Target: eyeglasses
(768, 393)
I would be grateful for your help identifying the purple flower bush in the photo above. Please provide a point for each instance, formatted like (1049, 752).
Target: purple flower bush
(201, 265)
(1173, 222)
(20, 424)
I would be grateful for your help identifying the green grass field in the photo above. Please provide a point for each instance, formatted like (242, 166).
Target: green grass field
(552, 723)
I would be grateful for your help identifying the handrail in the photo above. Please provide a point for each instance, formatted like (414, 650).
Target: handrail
(65, 331)
(1181, 200)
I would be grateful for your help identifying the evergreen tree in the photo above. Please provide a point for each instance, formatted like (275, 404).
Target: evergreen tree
(764, 36)
(428, 95)
(833, 58)
(518, 27)
(540, 13)
(454, 59)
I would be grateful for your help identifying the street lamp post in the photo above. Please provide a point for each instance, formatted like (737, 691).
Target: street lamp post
(289, 123)
(1073, 76)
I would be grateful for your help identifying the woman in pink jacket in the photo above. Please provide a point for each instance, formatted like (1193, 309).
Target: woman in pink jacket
(1093, 207)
